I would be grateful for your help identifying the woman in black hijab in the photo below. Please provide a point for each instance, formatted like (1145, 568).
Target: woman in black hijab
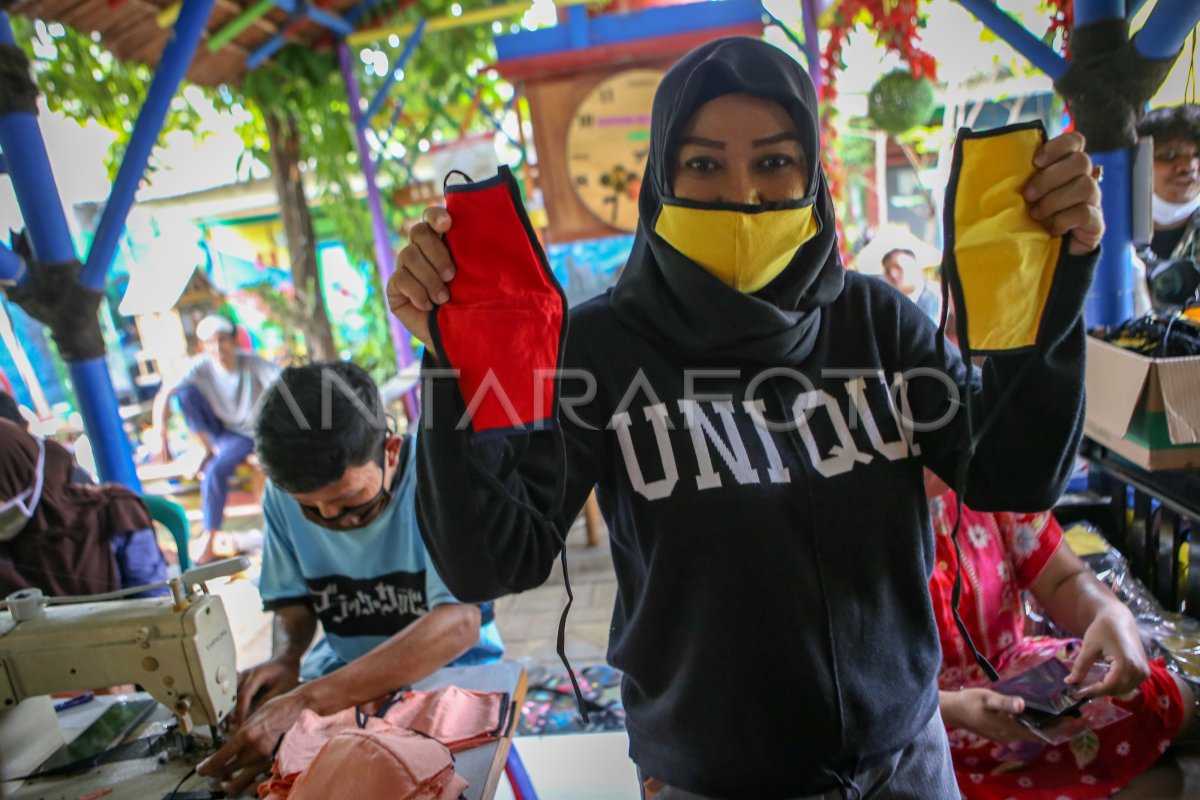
(764, 499)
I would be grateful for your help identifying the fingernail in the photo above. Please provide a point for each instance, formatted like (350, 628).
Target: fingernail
(448, 275)
(443, 296)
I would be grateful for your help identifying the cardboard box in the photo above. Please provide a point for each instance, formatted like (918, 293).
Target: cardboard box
(1144, 409)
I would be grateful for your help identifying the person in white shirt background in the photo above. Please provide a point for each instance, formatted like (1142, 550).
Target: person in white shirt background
(218, 396)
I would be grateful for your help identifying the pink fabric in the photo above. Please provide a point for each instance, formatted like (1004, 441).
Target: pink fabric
(458, 718)
(301, 745)
(391, 764)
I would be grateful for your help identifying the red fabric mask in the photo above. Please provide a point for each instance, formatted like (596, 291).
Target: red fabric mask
(505, 325)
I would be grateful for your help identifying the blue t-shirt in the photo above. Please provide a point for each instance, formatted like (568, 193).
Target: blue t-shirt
(364, 585)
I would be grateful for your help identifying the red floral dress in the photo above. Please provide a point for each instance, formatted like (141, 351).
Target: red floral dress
(1004, 554)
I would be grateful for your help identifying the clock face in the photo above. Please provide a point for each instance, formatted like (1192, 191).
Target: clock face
(607, 144)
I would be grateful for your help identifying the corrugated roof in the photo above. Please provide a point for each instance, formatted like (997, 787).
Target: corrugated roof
(130, 30)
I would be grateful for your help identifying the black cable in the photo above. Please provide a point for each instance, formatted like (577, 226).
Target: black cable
(182, 781)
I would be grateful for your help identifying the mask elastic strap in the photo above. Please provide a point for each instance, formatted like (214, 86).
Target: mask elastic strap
(39, 479)
(446, 180)
(964, 463)
(546, 522)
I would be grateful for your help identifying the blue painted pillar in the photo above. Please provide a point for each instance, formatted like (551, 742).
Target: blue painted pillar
(176, 58)
(32, 179)
(1110, 300)
(50, 238)
(41, 208)
(12, 268)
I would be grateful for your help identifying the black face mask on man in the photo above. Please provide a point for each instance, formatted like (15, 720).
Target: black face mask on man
(358, 516)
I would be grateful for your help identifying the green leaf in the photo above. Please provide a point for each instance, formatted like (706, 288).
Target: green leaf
(1085, 747)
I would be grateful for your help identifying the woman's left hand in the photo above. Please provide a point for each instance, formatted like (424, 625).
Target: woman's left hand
(1063, 195)
(1112, 636)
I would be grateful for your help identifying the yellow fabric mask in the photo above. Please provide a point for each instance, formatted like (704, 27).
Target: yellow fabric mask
(1002, 262)
(746, 247)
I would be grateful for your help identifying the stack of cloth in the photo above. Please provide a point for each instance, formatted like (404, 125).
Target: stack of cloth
(403, 751)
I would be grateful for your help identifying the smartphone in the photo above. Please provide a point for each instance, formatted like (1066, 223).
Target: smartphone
(1044, 690)
(109, 729)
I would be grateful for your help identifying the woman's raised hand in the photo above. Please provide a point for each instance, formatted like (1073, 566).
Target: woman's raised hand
(424, 270)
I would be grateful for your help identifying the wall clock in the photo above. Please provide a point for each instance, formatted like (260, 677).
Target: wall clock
(607, 142)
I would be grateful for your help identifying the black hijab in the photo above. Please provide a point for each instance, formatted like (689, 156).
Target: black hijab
(667, 297)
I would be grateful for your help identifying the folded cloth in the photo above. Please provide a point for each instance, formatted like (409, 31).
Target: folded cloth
(413, 730)
(458, 718)
(303, 741)
(391, 763)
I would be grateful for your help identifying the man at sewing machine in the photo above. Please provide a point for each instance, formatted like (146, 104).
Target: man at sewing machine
(341, 547)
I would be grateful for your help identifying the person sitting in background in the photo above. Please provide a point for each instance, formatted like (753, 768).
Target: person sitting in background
(901, 270)
(63, 537)
(341, 548)
(995, 756)
(218, 395)
(1176, 200)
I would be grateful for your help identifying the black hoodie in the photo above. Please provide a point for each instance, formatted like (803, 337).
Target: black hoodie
(772, 617)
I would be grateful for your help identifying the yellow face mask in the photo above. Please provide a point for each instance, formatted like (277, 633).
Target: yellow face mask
(746, 247)
(1003, 261)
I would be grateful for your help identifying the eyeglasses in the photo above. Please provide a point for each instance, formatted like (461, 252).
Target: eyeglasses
(1176, 153)
(355, 516)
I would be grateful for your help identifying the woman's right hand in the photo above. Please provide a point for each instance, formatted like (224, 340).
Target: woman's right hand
(985, 713)
(423, 270)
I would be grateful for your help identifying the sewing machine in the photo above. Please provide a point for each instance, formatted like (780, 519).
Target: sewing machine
(179, 649)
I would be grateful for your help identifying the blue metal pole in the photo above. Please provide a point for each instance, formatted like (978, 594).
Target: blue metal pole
(33, 180)
(1089, 11)
(267, 49)
(42, 211)
(373, 107)
(176, 58)
(329, 20)
(518, 777)
(1018, 37)
(102, 420)
(12, 268)
(1110, 299)
(1167, 28)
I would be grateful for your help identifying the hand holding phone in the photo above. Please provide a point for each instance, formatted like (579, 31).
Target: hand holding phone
(1044, 690)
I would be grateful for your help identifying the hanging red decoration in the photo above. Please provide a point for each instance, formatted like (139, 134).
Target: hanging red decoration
(1062, 18)
(896, 23)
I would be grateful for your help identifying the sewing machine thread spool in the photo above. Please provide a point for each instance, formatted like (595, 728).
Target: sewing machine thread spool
(26, 604)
